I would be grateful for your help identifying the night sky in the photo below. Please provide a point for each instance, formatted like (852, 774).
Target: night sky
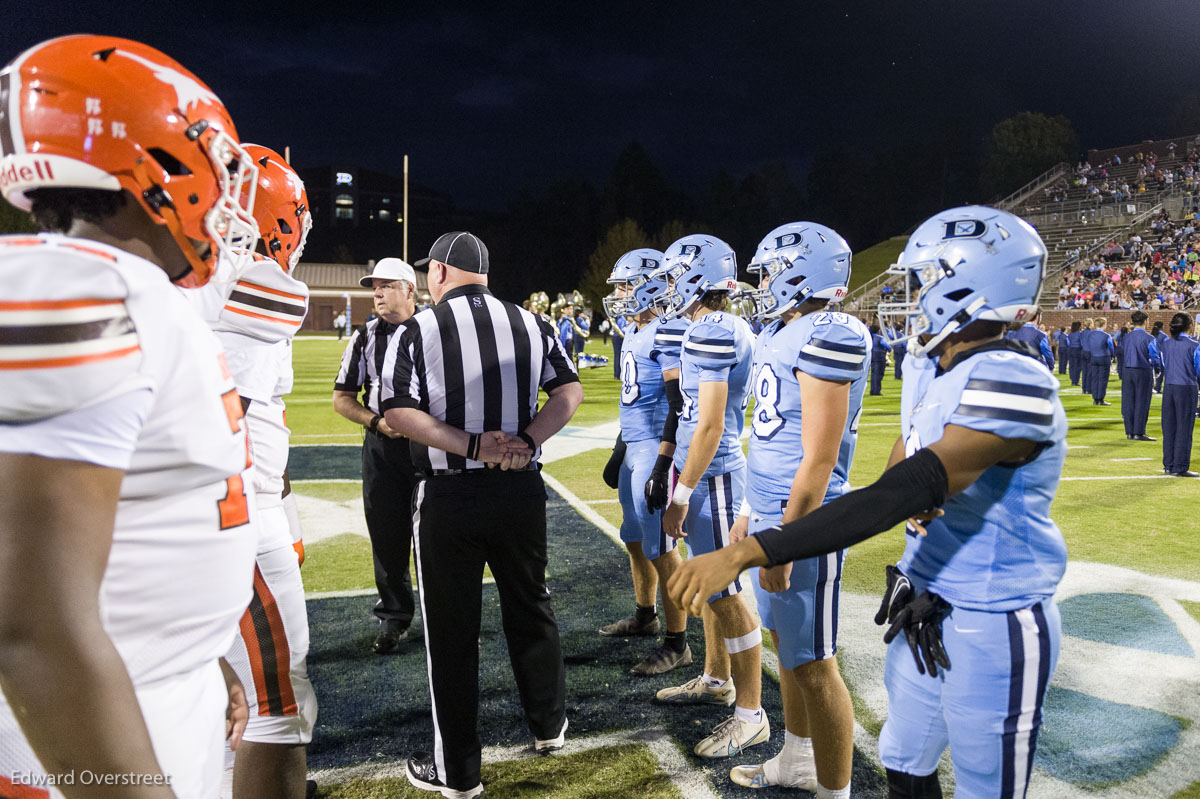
(489, 97)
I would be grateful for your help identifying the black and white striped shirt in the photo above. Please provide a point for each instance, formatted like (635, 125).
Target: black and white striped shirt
(475, 363)
(362, 362)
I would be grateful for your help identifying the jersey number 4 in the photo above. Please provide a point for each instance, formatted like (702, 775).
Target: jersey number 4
(233, 509)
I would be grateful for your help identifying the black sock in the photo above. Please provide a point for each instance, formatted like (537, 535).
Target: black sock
(644, 615)
(676, 641)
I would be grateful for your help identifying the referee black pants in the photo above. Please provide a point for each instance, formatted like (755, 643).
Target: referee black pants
(461, 522)
(388, 483)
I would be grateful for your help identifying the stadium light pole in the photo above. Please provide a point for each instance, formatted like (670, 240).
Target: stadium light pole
(405, 210)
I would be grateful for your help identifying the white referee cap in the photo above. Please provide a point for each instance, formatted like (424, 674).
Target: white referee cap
(389, 269)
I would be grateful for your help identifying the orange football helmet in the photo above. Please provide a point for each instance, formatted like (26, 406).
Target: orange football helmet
(280, 206)
(99, 112)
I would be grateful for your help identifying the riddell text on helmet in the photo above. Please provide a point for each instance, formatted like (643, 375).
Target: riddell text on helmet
(24, 173)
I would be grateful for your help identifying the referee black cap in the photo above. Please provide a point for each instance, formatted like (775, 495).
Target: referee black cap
(461, 250)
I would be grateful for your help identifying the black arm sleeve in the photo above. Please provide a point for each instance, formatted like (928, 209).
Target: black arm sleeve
(911, 486)
(675, 404)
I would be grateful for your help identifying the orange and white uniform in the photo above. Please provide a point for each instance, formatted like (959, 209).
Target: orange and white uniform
(255, 308)
(102, 361)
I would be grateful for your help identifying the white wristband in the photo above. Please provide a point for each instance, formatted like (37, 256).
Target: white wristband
(745, 509)
(682, 494)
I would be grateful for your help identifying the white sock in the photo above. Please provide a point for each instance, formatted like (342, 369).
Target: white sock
(713, 682)
(796, 757)
(830, 793)
(751, 716)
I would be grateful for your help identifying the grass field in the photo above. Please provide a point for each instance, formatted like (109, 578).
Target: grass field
(1113, 506)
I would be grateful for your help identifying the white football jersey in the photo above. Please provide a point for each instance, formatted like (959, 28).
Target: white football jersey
(86, 326)
(255, 308)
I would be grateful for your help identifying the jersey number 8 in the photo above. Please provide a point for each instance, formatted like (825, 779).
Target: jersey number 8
(767, 421)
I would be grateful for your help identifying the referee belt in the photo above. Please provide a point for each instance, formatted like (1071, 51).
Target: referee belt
(533, 467)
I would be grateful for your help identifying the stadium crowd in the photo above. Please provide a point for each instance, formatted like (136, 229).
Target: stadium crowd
(1161, 271)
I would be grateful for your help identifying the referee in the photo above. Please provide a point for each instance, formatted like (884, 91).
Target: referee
(461, 380)
(387, 470)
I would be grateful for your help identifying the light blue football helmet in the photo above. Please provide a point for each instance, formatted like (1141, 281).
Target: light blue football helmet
(691, 266)
(797, 262)
(632, 270)
(962, 265)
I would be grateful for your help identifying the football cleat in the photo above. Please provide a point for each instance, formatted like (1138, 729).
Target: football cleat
(770, 775)
(662, 660)
(697, 692)
(631, 626)
(733, 735)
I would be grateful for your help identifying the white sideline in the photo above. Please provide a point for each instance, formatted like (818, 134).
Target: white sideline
(691, 783)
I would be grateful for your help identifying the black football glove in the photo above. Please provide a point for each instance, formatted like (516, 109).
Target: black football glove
(658, 487)
(899, 593)
(612, 469)
(921, 621)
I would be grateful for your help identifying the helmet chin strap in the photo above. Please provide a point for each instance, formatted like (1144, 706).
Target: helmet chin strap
(961, 319)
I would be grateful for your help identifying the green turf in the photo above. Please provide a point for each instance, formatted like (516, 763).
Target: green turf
(1190, 792)
(1192, 608)
(333, 492)
(601, 773)
(340, 563)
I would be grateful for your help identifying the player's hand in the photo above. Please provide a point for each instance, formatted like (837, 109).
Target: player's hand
(741, 526)
(701, 576)
(923, 518)
(921, 621)
(658, 487)
(898, 593)
(237, 712)
(774, 579)
(612, 469)
(673, 518)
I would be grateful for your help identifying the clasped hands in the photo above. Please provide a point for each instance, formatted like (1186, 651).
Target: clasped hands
(497, 448)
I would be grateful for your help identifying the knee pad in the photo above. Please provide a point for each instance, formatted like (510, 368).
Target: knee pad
(910, 786)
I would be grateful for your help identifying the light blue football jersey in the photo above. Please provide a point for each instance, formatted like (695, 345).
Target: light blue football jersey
(829, 345)
(646, 353)
(917, 370)
(718, 347)
(996, 548)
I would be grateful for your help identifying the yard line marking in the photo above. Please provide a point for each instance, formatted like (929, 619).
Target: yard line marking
(584, 510)
(326, 480)
(1122, 460)
(361, 592)
(1122, 477)
(325, 435)
(690, 782)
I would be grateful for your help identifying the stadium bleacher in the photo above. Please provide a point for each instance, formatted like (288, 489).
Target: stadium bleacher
(1084, 210)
